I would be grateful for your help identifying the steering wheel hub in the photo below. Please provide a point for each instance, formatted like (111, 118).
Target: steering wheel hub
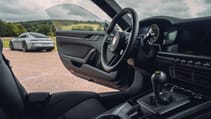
(118, 42)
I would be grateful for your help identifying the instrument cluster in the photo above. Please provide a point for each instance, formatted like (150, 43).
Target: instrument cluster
(159, 34)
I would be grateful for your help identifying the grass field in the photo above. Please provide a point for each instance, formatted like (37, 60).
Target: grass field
(6, 41)
(92, 27)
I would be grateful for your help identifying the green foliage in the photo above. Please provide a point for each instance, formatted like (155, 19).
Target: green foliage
(78, 25)
(8, 29)
(6, 42)
(100, 28)
(43, 26)
(11, 29)
(83, 27)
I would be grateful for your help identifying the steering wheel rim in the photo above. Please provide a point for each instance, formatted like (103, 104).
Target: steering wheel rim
(131, 40)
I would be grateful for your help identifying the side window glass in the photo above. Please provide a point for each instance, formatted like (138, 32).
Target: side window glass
(72, 17)
(22, 36)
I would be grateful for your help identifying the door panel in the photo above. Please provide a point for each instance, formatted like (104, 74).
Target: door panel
(80, 53)
(80, 32)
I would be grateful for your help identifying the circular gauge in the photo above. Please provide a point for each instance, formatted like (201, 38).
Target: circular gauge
(154, 33)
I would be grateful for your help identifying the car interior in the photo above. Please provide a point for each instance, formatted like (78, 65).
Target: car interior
(160, 65)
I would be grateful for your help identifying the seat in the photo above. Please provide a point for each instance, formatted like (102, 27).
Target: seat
(16, 103)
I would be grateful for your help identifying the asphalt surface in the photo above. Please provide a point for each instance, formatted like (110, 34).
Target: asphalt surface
(44, 72)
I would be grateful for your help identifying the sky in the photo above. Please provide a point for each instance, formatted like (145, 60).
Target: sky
(26, 10)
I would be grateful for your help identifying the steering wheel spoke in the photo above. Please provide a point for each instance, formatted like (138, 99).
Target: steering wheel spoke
(108, 40)
(113, 60)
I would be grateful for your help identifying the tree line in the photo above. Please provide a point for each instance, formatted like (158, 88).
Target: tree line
(14, 29)
(8, 29)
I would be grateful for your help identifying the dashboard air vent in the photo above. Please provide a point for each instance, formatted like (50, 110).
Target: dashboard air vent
(198, 77)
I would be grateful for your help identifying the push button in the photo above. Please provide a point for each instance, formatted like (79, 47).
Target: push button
(206, 64)
(183, 61)
(197, 63)
(190, 62)
(177, 60)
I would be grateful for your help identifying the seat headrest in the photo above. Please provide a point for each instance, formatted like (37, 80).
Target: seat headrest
(1, 46)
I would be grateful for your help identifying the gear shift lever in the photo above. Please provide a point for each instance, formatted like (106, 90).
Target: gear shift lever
(158, 79)
(162, 99)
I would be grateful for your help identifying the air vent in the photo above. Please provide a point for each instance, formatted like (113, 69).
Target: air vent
(198, 77)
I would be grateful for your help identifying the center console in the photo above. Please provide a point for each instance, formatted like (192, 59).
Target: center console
(162, 99)
(180, 91)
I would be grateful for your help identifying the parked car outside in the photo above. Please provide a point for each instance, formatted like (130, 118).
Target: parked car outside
(32, 41)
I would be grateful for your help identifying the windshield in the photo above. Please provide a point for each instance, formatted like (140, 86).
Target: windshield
(38, 35)
(174, 8)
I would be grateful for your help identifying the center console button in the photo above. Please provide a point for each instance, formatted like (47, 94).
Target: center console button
(190, 62)
(183, 61)
(197, 63)
(177, 60)
(206, 64)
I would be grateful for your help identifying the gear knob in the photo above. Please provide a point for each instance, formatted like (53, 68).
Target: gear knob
(158, 79)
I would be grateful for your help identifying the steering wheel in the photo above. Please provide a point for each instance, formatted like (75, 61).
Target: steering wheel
(119, 45)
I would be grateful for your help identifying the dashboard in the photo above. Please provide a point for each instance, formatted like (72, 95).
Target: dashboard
(180, 47)
(177, 35)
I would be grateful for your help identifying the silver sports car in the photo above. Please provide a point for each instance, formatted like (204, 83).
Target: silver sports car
(32, 41)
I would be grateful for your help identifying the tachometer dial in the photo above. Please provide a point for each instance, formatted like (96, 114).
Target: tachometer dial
(154, 33)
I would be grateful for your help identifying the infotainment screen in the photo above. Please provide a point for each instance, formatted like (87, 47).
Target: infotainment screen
(195, 43)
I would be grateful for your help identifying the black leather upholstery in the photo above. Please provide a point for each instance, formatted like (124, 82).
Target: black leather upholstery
(68, 105)
(68, 102)
(87, 109)
(3, 115)
(16, 103)
(12, 97)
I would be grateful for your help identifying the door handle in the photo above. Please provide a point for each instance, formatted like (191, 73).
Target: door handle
(80, 60)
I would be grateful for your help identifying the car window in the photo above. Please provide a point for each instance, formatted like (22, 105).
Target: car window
(75, 17)
(23, 36)
(38, 35)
